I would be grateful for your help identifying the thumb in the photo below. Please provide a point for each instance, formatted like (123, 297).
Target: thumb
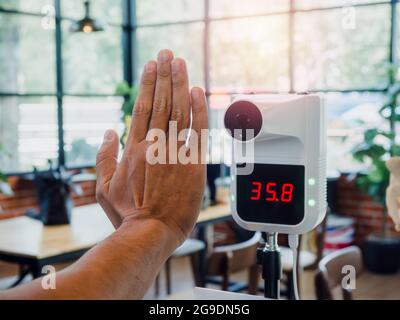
(106, 160)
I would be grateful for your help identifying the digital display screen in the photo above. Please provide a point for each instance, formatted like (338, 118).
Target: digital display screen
(272, 193)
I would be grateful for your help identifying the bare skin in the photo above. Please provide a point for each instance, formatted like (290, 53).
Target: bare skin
(153, 207)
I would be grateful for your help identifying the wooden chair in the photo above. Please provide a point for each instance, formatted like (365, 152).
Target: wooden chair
(190, 248)
(329, 274)
(227, 259)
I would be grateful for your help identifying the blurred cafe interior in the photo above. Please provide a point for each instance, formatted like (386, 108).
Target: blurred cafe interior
(64, 82)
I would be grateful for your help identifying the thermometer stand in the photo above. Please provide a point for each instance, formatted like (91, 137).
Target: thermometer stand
(269, 258)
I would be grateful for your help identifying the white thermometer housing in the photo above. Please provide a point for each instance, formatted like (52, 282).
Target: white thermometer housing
(281, 185)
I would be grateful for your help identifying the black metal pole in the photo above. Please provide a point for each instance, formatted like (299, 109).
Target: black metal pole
(269, 258)
(59, 83)
(129, 40)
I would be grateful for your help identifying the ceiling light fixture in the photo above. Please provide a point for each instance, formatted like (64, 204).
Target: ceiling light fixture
(87, 24)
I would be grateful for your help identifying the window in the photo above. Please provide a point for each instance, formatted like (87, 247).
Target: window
(238, 8)
(172, 11)
(26, 54)
(252, 56)
(41, 91)
(27, 6)
(85, 121)
(108, 11)
(28, 131)
(57, 93)
(312, 4)
(185, 40)
(92, 63)
(349, 115)
(332, 52)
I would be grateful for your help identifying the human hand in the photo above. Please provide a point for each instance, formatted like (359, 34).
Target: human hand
(135, 189)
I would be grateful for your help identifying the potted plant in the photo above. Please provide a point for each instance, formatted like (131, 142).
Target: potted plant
(381, 251)
(129, 93)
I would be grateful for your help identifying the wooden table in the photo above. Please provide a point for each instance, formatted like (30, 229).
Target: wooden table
(30, 244)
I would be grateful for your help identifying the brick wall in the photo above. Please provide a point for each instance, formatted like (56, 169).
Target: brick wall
(24, 197)
(354, 203)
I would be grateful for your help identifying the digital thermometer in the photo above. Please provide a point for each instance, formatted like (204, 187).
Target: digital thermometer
(280, 187)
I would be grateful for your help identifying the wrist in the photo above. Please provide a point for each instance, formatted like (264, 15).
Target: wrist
(159, 231)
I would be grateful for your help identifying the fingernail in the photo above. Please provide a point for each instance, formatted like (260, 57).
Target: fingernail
(150, 66)
(176, 66)
(164, 55)
(108, 136)
(196, 92)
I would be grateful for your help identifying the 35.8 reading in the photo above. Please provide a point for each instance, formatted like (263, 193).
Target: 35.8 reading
(271, 191)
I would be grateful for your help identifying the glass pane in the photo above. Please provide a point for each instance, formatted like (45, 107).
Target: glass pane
(349, 114)
(86, 120)
(219, 141)
(218, 104)
(335, 51)
(250, 54)
(153, 11)
(310, 4)
(26, 5)
(398, 31)
(28, 133)
(227, 8)
(26, 54)
(103, 10)
(185, 41)
(92, 62)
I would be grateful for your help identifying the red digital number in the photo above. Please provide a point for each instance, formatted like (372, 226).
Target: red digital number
(270, 191)
(287, 192)
(256, 190)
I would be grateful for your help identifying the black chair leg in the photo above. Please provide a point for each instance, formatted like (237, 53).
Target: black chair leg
(194, 261)
(290, 291)
(168, 275)
(157, 285)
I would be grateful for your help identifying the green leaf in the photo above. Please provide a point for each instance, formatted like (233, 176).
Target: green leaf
(389, 135)
(359, 155)
(396, 150)
(370, 134)
(370, 150)
(394, 91)
(122, 89)
(377, 173)
(3, 177)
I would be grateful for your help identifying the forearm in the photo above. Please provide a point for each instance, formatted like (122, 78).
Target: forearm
(121, 267)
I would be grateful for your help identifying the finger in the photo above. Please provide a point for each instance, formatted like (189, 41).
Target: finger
(106, 160)
(180, 94)
(199, 110)
(199, 118)
(106, 164)
(142, 110)
(163, 92)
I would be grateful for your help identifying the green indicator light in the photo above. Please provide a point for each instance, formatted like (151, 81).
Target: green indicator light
(311, 182)
(311, 202)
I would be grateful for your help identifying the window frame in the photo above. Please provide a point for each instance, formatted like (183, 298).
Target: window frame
(129, 27)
